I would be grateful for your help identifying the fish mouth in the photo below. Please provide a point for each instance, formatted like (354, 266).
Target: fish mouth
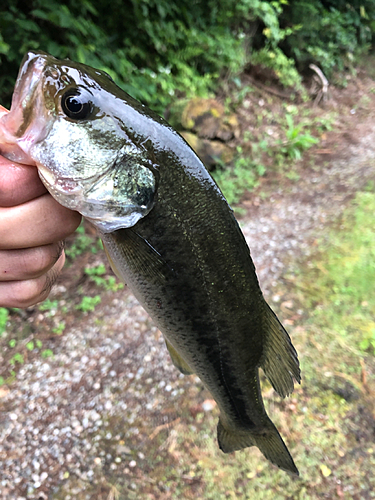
(29, 74)
(66, 186)
(18, 129)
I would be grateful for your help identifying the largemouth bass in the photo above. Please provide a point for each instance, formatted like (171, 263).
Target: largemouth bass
(168, 233)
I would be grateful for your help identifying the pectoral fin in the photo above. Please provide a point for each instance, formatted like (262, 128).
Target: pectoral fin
(126, 250)
(112, 264)
(178, 360)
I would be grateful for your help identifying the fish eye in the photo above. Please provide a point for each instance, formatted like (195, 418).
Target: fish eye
(76, 105)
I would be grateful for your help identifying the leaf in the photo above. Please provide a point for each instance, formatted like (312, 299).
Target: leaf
(30, 345)
(326, 471)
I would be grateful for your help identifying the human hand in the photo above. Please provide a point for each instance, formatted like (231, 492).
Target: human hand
(32, 229)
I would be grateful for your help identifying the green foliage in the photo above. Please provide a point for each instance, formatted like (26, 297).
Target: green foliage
(30, 345)
(60, 328)
(17, 358)
(283, 66)
(4, 317)
(332, 32)
(97, 275)
(88, 304)
(49, 305)
(153, 49)
(340, 284)
(242, 176)
(82, 243)
(296, 141)
(158, 50)
(47, 353)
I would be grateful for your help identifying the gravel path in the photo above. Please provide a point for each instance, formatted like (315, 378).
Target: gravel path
(285, 225)
(62, 420)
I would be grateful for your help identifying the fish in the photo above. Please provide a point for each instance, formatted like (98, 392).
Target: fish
(168, 232)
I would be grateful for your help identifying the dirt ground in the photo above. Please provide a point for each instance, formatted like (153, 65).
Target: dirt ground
(94, 408)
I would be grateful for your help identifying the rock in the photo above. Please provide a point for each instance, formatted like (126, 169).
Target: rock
(208, 119)
(197, 108)
(210, 152)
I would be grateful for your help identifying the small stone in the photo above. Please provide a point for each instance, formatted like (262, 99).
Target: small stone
(43, 476)
(36, 464)
(123, 449)
(208, 405)
(95, 416)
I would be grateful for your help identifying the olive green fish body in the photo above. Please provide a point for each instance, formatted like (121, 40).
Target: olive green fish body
(168, 232)
(189, 265)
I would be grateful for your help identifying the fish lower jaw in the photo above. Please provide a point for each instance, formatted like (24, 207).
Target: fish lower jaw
(67, 192)
(113, 223)
(9, 146)
(61, 185)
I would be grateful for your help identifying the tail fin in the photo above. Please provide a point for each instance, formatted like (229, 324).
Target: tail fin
(280, 359)
(267, 439)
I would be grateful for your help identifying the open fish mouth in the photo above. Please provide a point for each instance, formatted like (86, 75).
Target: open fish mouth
(18, 130)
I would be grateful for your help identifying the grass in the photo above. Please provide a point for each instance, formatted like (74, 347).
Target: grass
(242, 176)
(82, 243)
(340, 281)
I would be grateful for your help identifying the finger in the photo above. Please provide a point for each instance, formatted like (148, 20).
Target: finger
(18, 183)
(28, 263)
(36, 223)
(27, 293)
(3, 111)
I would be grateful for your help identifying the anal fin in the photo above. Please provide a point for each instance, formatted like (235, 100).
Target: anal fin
(280, 359)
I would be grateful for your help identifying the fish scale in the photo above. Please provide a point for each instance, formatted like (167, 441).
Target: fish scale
(168, 233)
